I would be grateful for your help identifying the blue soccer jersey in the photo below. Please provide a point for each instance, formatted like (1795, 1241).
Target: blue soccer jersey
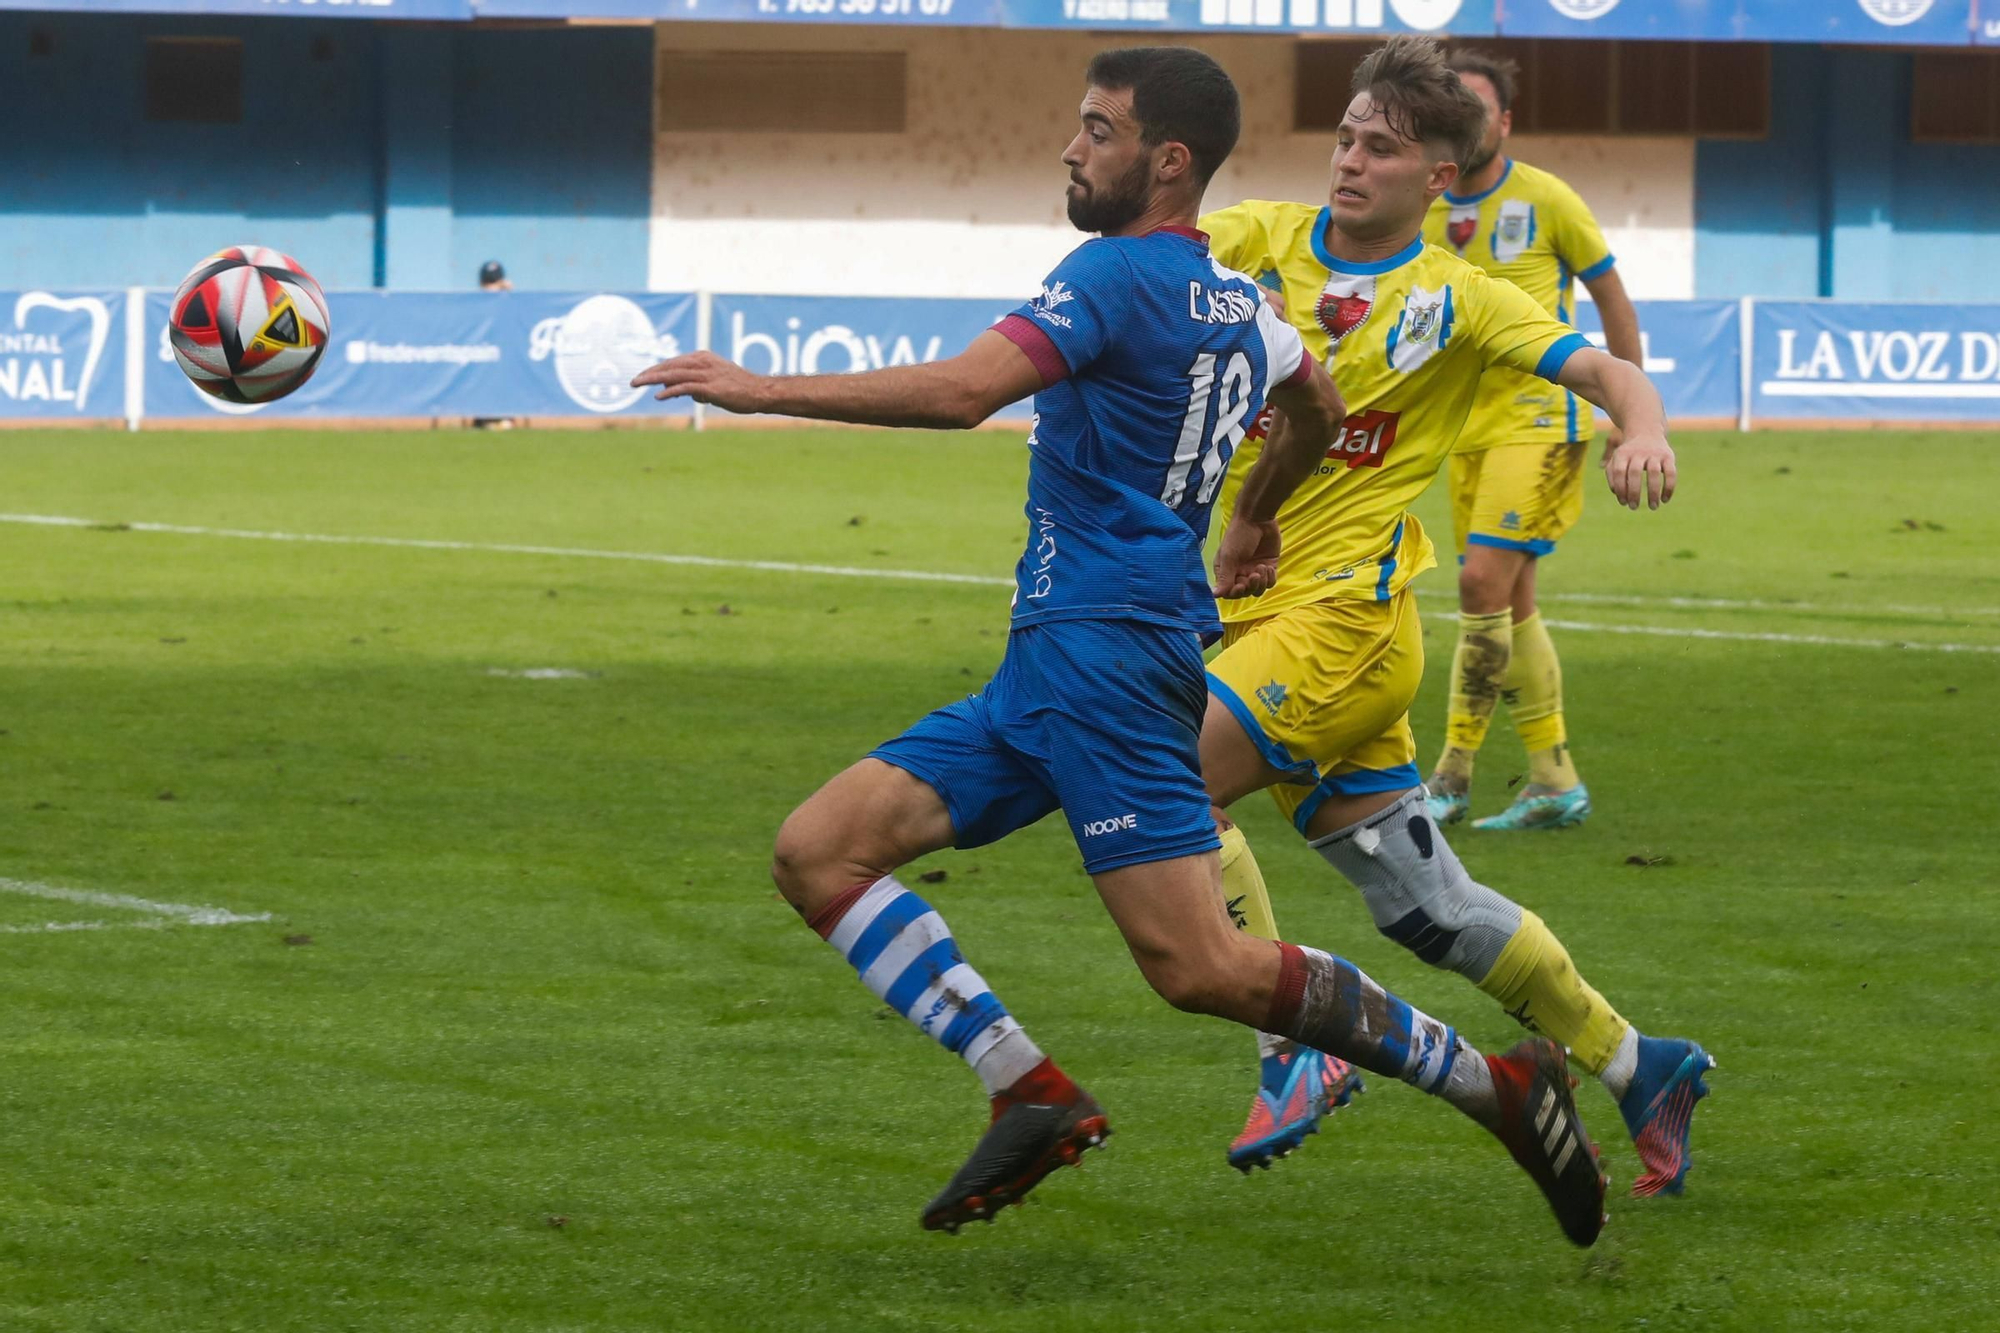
(1155, 360)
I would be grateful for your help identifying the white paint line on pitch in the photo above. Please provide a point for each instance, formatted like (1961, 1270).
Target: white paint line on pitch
(932, 576)
(1760, 604)
(511, 548)
(157, 914)
(1741, 636)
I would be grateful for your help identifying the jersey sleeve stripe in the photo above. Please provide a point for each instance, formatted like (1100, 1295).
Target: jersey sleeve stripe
(1599, 269)
(1303, 373)
(1041, 349)
(1559, 353)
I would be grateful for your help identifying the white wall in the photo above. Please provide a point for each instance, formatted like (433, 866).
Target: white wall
(969, 200)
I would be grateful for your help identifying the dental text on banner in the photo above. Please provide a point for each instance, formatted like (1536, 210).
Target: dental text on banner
(461, 354)
(62, 355)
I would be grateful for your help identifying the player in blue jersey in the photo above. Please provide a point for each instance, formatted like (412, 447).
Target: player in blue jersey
(1147, 360)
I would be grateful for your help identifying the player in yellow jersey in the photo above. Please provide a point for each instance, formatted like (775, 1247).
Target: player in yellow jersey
(1517, 475)
(1310, 694)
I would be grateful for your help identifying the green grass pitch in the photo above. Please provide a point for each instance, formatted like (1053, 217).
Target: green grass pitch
(527, 1041)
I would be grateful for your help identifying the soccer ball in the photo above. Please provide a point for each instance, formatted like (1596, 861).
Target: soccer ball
(248, 324)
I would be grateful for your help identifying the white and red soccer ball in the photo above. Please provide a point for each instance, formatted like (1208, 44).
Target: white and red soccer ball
(248, 324)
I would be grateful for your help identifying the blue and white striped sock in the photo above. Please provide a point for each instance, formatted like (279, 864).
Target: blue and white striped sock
(906, 955)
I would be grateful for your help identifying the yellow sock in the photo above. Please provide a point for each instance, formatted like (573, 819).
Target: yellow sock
(1534, 689)
(1477, 669)
(1243, 887)
(1537, 984)
(1250, 908)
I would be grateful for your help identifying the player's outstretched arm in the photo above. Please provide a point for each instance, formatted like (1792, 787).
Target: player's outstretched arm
(1621, 331)
(1642, 468)
(1302, 430)
(955, 394)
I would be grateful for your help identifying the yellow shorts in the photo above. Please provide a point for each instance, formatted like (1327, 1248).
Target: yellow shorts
(1324, 690)
(1519, 497)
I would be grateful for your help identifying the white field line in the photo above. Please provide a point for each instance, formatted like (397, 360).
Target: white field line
(511, 548)
(933, 576)
(157, 914)
(1760, 604)
(1736, 636)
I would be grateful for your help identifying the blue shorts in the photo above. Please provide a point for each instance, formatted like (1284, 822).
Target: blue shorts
(1101, 720)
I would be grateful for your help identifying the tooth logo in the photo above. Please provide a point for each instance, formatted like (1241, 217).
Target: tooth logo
(1895, 13)
(38, 381)
(1583, 10)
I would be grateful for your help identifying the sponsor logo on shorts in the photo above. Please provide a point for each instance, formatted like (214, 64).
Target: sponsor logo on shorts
(1099, 827)
(1272, 696)
(1511, 520)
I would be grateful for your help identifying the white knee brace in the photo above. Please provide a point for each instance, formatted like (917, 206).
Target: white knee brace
(1419, 893)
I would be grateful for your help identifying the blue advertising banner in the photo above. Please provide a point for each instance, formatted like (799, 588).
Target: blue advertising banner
(1694, 353)
(831, 335)
(1986, 21)
(460, 354)
(62, 355)
(1903, 22)
(888, 13)
(1913, 22)
(98, 355)
(1455, 17)
(356, 9)
(1829, 360)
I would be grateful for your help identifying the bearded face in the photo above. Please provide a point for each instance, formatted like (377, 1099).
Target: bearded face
(1106, 207)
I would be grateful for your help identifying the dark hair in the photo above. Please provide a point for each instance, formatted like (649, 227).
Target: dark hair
(1421, 98)
(1179, 95)
(1502, 73)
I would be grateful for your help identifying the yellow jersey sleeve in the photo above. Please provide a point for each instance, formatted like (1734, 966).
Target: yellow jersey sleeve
(1514, 333)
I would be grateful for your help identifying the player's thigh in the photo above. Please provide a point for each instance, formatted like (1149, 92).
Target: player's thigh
(1177, 926)
(1360, 666)
(863, 823)
(1110, 715)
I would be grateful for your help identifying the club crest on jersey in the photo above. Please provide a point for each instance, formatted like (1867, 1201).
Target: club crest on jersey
(1345, 303)
(1462, 226)
(1515, 230)
(1423, 330)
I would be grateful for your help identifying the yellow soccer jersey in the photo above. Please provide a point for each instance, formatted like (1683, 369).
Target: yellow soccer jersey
(1534, 231)
(1407, 340)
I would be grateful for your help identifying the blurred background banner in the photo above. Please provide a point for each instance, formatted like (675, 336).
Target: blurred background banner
(1694, 353)
(459, 354)
(1913, 22)
(1835, 360)
(1333, 17)
(103, 354)
(63, 354)
(828, 335)
(1874, 22)
(323, 9)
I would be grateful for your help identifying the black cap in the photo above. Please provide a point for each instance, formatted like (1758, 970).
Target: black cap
(490, 271)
